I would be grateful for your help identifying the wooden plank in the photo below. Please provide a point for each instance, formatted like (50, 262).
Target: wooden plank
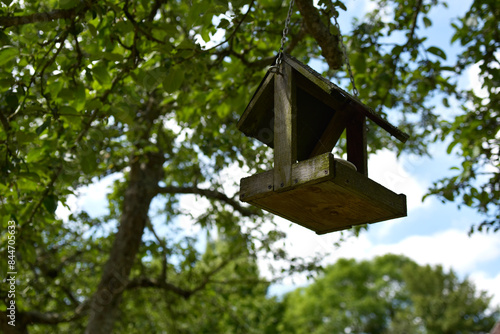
(370, 113)
(356, 143)
(313, 170)
(369, 191)
(252, 118)
(326, 196)
(256, 186)
(332, 133)
(285, 127)
(338, 203)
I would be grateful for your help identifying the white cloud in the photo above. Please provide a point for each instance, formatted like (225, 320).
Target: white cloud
(451, 248)
(475, 80)
(489, 284)
(385, 168)
(92, 198)
(474, 77)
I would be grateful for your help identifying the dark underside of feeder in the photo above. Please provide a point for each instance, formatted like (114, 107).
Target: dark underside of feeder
(327, 196)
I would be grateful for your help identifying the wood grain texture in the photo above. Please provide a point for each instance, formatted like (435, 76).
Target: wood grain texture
(356, 143)
(285, 127)
(325, 196)
(331, 135)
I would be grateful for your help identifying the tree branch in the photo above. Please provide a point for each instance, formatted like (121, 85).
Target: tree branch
(330, 48)
(146, 282)
(267, 61)
(9, 21)
(396, 60)
(211, 194)
(414, 24)
(163, 275)
(234, 30)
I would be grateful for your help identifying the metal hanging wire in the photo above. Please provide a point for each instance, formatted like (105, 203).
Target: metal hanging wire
(275, 68)
(344, 51)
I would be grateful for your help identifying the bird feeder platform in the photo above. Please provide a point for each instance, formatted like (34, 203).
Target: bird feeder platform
(325, 196)
(302, 116)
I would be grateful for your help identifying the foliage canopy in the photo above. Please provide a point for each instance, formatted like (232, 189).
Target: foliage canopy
(131, 88)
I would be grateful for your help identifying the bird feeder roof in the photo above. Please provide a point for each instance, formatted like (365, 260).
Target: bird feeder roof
(318, 102)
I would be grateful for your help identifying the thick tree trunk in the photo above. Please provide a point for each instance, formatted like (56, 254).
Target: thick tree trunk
(142, 187)
(20, 324)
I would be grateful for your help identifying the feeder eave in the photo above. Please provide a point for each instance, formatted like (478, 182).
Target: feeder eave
(353, 104)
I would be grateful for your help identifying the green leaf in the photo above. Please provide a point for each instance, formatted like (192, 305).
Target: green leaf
(42, 127)
(79, 101)
(12, 100)
(112, 56)
(223, 24)
(93, 104)
(174, 79)
(66, 94)
(427, 22)
(341, 5)
(101, 74)
(360, 63)
(446, 103)
(25, 137)
(153, 78)
(66, 4)
(92, 29)
(50, 204)
(88, 162)
(67, 110)
(35, 154)
(30, 176)
(437, 51)
(70, 116)
(451, 146)
(7, 53)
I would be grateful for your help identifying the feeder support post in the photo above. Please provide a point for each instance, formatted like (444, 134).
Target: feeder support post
(356, 143)
(285, 126)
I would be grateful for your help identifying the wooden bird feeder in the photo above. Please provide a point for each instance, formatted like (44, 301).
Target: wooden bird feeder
(302, 116)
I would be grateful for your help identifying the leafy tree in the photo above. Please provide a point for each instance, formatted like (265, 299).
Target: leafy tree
(389, 294)
(446, 304)
(130, 88)
(476, 129)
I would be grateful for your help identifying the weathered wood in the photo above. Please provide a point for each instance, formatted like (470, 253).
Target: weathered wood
(332, 134)
(257, 119)
(326, 196)
(319, 101)
(305, 172)
(319, 81)
(302, 116)
(356, 143)
(256, 186)
(285, 127)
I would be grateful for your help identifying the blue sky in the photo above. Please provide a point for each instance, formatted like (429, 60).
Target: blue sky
(432, 233)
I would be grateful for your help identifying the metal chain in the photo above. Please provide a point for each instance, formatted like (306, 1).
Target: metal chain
(344, 50)
(283, 38)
